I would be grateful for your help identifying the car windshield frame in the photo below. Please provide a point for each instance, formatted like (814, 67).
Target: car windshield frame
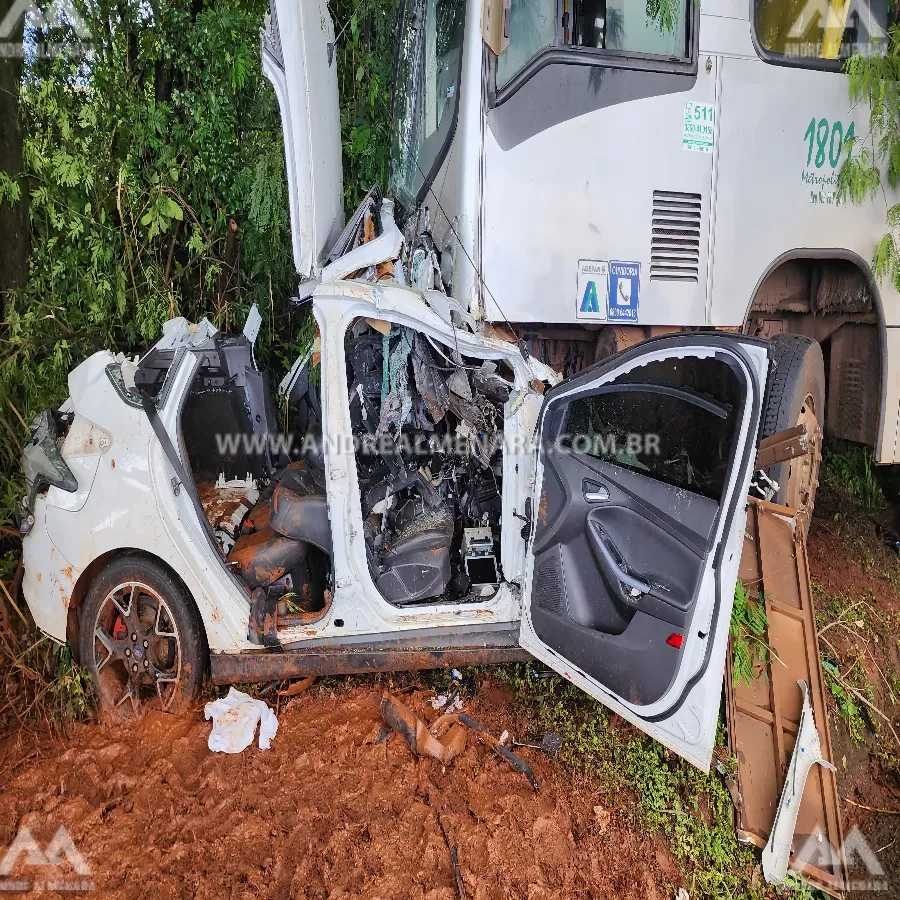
(415, 159)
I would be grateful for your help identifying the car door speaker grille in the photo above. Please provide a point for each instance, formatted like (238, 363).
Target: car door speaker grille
(675, 236)
(548, 586)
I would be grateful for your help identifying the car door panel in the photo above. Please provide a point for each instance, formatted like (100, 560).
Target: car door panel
(633, 665)
(660, 503)
(639, 524)
(575, 582)
(624, 590)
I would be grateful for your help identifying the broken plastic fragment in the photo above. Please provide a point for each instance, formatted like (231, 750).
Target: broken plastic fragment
(807, 752)
(458, 382)
(416, 734)
(251, 326)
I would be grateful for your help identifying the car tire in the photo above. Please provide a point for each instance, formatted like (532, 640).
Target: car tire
(141, 639)
(796, 395)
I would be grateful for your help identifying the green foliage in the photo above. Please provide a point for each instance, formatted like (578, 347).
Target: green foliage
(648, 785)
(9, 189)
(365, 59)
(664, 13)
(749, 650)
(846, 705)
(849, 471)
(875, 79)
(156, 183)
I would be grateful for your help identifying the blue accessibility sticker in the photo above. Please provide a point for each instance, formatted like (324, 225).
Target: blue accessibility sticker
(624, 291)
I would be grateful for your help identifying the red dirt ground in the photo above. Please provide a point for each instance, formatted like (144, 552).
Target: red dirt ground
(329, 813)
(325, 813)
(852, 561)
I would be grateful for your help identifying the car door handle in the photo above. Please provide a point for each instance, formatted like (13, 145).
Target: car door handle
(593, 492)
(615, 563)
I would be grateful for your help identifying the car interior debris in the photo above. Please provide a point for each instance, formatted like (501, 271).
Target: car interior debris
(428, 424)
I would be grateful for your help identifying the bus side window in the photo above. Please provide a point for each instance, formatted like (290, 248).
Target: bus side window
(641, 27)
(655, 27)
(828, 31)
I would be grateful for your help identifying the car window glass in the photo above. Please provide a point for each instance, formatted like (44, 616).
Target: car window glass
(427, 86)
(672, 420)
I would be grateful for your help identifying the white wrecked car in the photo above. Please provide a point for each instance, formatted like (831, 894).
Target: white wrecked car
(439, 498)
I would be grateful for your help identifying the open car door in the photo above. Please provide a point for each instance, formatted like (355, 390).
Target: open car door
(644, 463)
(298, 57)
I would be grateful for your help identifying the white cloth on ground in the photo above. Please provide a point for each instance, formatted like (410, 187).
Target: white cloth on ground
(234, 722)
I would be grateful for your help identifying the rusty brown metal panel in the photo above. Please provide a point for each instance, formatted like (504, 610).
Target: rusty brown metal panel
(788, 444)
(764, 717)
(242, 668)
(854, 378)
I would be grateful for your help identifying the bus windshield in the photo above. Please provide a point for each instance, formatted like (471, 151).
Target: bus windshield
(426, 86)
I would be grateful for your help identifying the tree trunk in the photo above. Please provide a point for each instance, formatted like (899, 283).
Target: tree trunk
(14, 230)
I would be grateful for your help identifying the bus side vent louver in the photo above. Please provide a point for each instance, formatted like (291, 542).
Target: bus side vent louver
(675, 240)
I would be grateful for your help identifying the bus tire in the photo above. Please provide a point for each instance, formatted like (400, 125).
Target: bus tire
(796, 395)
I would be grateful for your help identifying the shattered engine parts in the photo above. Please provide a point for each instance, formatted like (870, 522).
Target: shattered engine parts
(429, 430)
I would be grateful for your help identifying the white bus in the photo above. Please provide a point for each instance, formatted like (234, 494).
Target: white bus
(607, 178)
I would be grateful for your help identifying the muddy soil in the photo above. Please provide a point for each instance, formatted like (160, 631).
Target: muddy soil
(327, 812)
(330, 812)
(852, 560)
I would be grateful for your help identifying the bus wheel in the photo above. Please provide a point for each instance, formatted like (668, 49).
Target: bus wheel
(796, 396)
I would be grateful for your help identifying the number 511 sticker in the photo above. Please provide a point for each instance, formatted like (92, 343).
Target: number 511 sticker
(698, 133)
(826, 141)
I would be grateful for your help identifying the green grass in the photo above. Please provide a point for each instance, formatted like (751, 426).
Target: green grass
(846, 704)
(846, 626)
(849, 471)
(749, 623)
(43, 685)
